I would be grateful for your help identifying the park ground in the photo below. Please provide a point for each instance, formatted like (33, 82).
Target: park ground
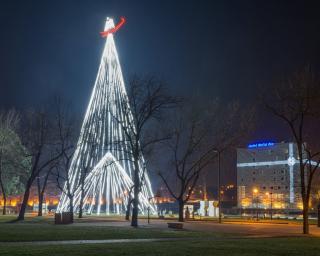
(114, 236)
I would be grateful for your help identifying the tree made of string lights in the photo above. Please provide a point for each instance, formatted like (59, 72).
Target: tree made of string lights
(102, 148)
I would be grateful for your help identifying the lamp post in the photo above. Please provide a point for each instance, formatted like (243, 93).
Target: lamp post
(318, 215)
(255, 192)
(271, 205)
(270, 194)
(219, 183)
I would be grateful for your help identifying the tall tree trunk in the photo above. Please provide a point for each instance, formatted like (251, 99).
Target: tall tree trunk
(82, 181)
(136, 188)
(4, 211)
(318, 215)
(81, 202)
(181, 204)
(71, 206)
(39, 197)
(128, 208)
(304, 196)
(42, 190)
(25, 199)
(306, 211)
(128, 211)
(4, 196)
(305, 218)
(134, 218)
(2, 188)
(40, 203)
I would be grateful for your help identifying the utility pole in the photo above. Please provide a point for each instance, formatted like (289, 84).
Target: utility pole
(271, 205)
(319, 215)
(255, 191)
(219, 184)
(270, 195)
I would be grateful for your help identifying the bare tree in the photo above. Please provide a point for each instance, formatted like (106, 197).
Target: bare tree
(39, 140)
(297, 102)
(129, 203)
(147, 99)
(198, 136)
(63, 178)
(61, 141)
(65, 140)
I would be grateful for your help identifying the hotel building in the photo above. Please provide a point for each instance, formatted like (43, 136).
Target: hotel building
(268, 176)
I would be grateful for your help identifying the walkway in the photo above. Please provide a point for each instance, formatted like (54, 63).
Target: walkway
(103, 241)
(236, 228)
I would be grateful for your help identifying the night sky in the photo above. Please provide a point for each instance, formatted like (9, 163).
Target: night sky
(221, 49)
(225, 49)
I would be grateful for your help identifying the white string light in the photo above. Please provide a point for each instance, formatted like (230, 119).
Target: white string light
(101, 147)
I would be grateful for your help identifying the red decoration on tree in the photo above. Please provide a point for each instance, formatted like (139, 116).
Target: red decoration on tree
(115, 29)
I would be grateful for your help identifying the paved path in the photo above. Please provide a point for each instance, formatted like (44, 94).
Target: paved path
(134, 240)
(237, 228)
(101, 241)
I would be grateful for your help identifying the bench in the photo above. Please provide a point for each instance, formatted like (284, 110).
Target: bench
(57, 218)
(63, 218)
(175, 225)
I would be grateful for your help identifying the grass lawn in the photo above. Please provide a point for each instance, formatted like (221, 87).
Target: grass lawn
(43, 229)
(196, 243)
(224, 246)
(40, 232)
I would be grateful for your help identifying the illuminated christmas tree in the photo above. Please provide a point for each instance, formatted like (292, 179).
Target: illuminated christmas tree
(102, 149)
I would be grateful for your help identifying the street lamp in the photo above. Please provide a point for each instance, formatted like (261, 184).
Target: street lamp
(255, 192)
(219, 182)
(270, 194)
(319, 215)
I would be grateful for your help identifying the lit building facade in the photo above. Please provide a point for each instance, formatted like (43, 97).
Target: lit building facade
(268, 176)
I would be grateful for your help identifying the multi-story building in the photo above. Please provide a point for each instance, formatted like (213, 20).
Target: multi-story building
(268, 176)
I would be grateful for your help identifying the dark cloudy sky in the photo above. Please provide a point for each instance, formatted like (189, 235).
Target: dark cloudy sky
(224, 49)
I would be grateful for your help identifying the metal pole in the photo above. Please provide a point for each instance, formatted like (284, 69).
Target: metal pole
(219, 186)
(319, 215)
(257, 206)
(271, 205)
(253, 206)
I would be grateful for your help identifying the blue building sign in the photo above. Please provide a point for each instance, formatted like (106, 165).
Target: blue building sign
(261, 144)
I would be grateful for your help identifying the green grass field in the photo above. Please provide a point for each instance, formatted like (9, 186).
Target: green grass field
(191, 243)
(43, 229)
(234, 247)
